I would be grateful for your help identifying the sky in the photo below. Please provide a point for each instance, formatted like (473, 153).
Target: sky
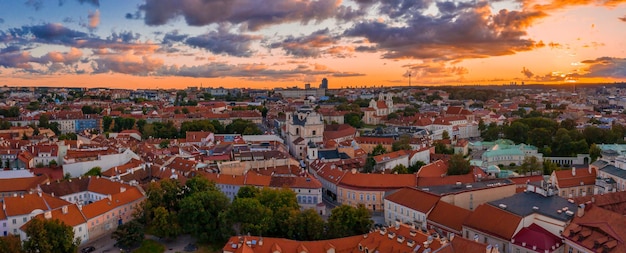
(287, 43)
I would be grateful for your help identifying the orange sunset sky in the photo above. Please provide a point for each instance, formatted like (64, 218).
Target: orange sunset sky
(285, 43)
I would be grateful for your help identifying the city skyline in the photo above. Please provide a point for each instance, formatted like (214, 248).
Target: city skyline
(285, 43)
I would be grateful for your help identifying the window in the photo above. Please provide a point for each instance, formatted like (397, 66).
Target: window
(14, 221)
(313, 132)
(24, 219)
(368, 197)
(361, 196)
(374, 197)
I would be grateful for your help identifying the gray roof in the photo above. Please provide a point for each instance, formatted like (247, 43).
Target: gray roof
(453, 188)
(615, 171)
(297, 121)
(524, 203)
(599, 163)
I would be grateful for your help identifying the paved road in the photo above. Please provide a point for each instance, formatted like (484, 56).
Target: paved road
(105, 244)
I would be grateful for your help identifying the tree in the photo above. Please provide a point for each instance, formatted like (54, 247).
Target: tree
(404, 143)
(129, 234)
(517, 132)
(204, 216)
(378, 150)
(594, 152)
(549, 167)
(50, 236)
(539, 137)
(393, 115)
(492, 133)
(353, 119)
(308, 225)
(458, 165)
(445, 135)
(106, 123)
(250, 216)
(416, 167)
(164, 144)
(11, 243)
(52, 163)
(95, 171)
(400, 169)
(347, 221)
(530, 164)
(248, 192)
(164, 224)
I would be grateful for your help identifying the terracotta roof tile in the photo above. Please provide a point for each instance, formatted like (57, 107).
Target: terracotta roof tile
(493, 221)
(448, 215)
(21, 205)
(414, 199)
(130, 195)
(21, 184)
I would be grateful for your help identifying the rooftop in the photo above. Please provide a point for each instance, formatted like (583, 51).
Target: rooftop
(528, 203)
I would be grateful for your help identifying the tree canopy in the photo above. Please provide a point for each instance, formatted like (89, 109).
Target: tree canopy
(50, 236)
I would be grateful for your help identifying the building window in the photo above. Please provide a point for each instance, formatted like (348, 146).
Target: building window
(313, 133)
(361, 196)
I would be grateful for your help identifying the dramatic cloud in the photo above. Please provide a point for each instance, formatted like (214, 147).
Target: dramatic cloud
(223, 42)
(312, 45)
(126, 63)
(250, 71)
(622, 18)
(606, 67)
(14, 57)
(252, 13)
(560, 4)
(94, 19)
(460, 31)
(59, 35)
(527, 73)
(173, 36)
(71, 57)
(431, 69)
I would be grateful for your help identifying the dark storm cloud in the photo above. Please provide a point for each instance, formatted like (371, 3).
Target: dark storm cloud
(606, 67)
(312, 45)
(125, 36)
(254, 14)
(59, 35)
(223, 42)
(173, 36)
(461, 31)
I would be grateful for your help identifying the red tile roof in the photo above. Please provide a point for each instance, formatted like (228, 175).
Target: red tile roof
(493, 221)
(565, 178)
(414, 199)
(130, 195)
(391, 156)
(21, 184)
(378, 181)
(600, 226)
(27, 203)
(449, 216)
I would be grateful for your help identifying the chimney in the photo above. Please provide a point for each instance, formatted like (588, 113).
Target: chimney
(64, 209)
(581, 210)
(109, 197)
(573, 171)
(47, 215)
(80, 207)
(122, 189)
(451, 236)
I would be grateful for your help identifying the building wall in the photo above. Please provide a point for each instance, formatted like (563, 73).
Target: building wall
(504, 245)
(372, 199)
(105, 162)
(108, 221)
(395, 211)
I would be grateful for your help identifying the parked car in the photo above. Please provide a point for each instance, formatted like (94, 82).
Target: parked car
(88, 249)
